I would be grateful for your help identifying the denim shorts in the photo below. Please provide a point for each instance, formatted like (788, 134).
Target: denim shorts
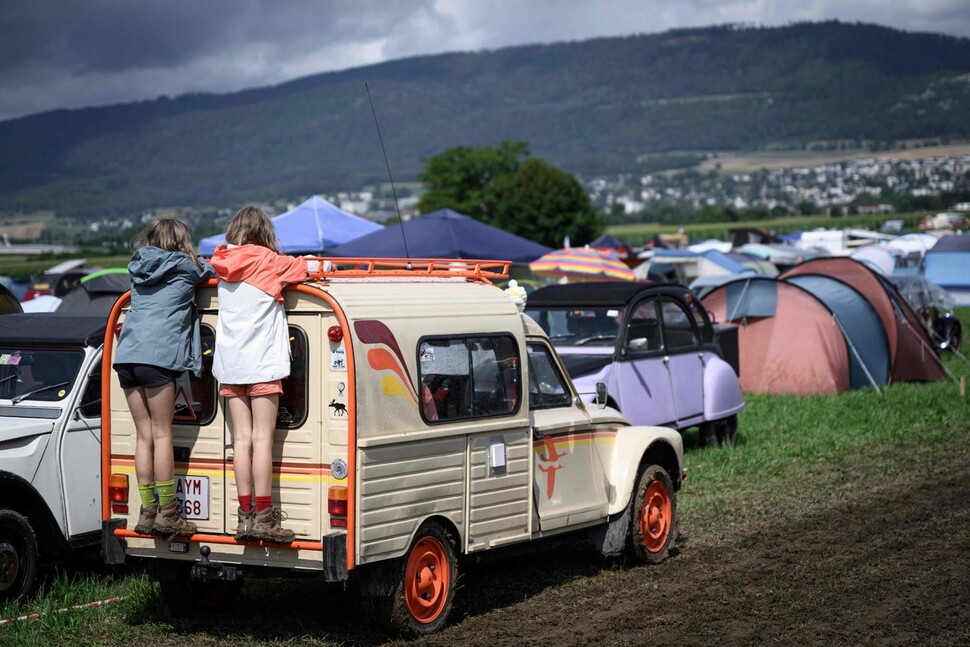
(144, 375)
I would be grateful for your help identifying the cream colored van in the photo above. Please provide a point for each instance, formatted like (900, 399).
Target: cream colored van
(425, 419)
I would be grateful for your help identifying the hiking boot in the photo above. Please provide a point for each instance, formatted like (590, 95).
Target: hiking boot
(146, 519)
(169, 523)
(244, 531)
(267, 527)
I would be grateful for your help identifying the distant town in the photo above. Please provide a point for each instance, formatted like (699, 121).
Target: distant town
(861, 186)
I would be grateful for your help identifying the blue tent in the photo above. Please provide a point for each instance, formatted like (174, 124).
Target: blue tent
(947, 264)
(313, 227)
(442, 234)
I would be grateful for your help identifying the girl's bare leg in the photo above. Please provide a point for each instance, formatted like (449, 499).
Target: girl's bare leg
(242, 443)
(144, 443)
(161, 406)
(264, 409)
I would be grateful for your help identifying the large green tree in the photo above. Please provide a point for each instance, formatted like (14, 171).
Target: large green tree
(545, 204)
(470, 180)
(506, 188)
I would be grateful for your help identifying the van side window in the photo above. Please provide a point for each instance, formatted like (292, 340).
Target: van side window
(468, 377)
(195, 397)
(547, 389)
(292, 411)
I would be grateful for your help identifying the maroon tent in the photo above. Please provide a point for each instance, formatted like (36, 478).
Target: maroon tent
(911, 353)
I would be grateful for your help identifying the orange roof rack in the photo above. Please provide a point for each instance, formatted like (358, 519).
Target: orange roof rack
(481, 271)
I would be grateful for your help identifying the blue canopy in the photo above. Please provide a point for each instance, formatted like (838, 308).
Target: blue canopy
(313, 227)
(442, 234)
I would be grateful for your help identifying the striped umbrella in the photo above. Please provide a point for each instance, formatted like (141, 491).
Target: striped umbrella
(583, 264)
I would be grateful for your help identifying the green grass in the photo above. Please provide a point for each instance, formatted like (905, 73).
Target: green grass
(795, 457)
(19, 267)
(641, 232)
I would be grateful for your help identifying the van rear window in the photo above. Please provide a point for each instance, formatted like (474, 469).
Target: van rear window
(196, 397)
(464, 378)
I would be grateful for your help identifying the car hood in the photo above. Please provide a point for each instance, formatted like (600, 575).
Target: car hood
(577, 365)
(15, 428)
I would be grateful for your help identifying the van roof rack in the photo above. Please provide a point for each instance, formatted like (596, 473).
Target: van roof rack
(481, 271)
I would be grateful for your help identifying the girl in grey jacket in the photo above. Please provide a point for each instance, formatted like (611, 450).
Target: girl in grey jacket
(160, 339)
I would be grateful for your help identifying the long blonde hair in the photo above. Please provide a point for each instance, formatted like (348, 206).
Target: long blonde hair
(169, 234)
(250, 226)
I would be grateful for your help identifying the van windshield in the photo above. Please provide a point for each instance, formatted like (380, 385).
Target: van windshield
(30, 374)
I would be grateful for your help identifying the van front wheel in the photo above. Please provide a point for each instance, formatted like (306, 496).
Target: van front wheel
(653, 524)
(425, 581)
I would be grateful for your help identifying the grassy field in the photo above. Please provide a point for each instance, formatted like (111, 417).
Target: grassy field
(18, 267)
(637, 234)
(796, 458)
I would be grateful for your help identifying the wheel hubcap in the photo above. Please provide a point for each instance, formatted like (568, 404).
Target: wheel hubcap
(655, 518)
(9, 566)
(426, 580)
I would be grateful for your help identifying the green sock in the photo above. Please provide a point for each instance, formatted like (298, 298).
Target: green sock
(166, 492)
(147, 493)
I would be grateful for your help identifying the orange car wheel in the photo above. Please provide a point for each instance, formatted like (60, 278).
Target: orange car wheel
(653, 526)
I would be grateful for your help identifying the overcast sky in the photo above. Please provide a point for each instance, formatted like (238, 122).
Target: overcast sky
(74, 53)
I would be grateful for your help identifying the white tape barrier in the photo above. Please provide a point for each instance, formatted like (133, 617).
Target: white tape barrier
(76, 607)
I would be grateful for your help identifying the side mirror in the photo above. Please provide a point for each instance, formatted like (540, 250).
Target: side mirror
(602, 393)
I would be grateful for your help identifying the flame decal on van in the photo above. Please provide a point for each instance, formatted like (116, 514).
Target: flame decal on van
(371, 331)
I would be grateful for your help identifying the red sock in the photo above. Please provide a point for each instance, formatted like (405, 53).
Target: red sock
(263, 502)
(246, 502)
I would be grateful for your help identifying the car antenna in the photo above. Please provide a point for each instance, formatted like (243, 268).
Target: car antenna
(388, 164)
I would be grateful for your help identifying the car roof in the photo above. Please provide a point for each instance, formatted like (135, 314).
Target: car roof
(604, 293)
(52, 329)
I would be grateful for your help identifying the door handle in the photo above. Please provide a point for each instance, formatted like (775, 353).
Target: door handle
(666, 360)
(536, 434)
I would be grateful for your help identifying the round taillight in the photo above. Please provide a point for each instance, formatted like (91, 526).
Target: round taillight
(117, 330)
(335, 334)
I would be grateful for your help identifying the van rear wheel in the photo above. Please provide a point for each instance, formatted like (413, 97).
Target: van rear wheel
(424, 584)
(653, 524)
(186, 597)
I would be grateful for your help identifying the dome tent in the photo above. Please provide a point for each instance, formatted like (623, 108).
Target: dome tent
(442, 234)
(312, 227)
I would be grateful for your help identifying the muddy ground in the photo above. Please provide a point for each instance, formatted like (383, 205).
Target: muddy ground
(888, 567)
(883, 561)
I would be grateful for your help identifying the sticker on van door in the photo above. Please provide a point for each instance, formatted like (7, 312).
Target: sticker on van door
(338, 359)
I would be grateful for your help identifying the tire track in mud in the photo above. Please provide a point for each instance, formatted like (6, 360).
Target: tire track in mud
(889, 566)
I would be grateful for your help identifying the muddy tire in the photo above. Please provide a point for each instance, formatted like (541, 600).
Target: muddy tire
(187, 598)
(424, 584)
(18, 556)
(653, 523)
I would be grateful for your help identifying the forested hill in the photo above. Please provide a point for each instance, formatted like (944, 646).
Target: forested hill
(597, 106)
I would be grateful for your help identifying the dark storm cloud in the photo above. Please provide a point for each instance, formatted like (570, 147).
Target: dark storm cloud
(72, 53)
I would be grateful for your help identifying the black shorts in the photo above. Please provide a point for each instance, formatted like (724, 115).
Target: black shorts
(144, 375)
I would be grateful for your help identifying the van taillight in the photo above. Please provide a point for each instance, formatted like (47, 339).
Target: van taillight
(117, 330)
(118, 493)
(337, 506)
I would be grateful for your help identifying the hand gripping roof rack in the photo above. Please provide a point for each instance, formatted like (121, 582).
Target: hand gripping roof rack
(481, 271)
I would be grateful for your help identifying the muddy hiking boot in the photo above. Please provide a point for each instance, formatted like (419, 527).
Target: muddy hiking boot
(146, 519)
(267, 527)
(244, 531)
(169, 523)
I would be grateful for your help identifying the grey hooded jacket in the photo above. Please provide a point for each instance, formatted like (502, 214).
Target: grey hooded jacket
(162, 328)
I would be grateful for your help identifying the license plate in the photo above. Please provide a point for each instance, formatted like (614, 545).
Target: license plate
(178, 546)
(192, 494)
